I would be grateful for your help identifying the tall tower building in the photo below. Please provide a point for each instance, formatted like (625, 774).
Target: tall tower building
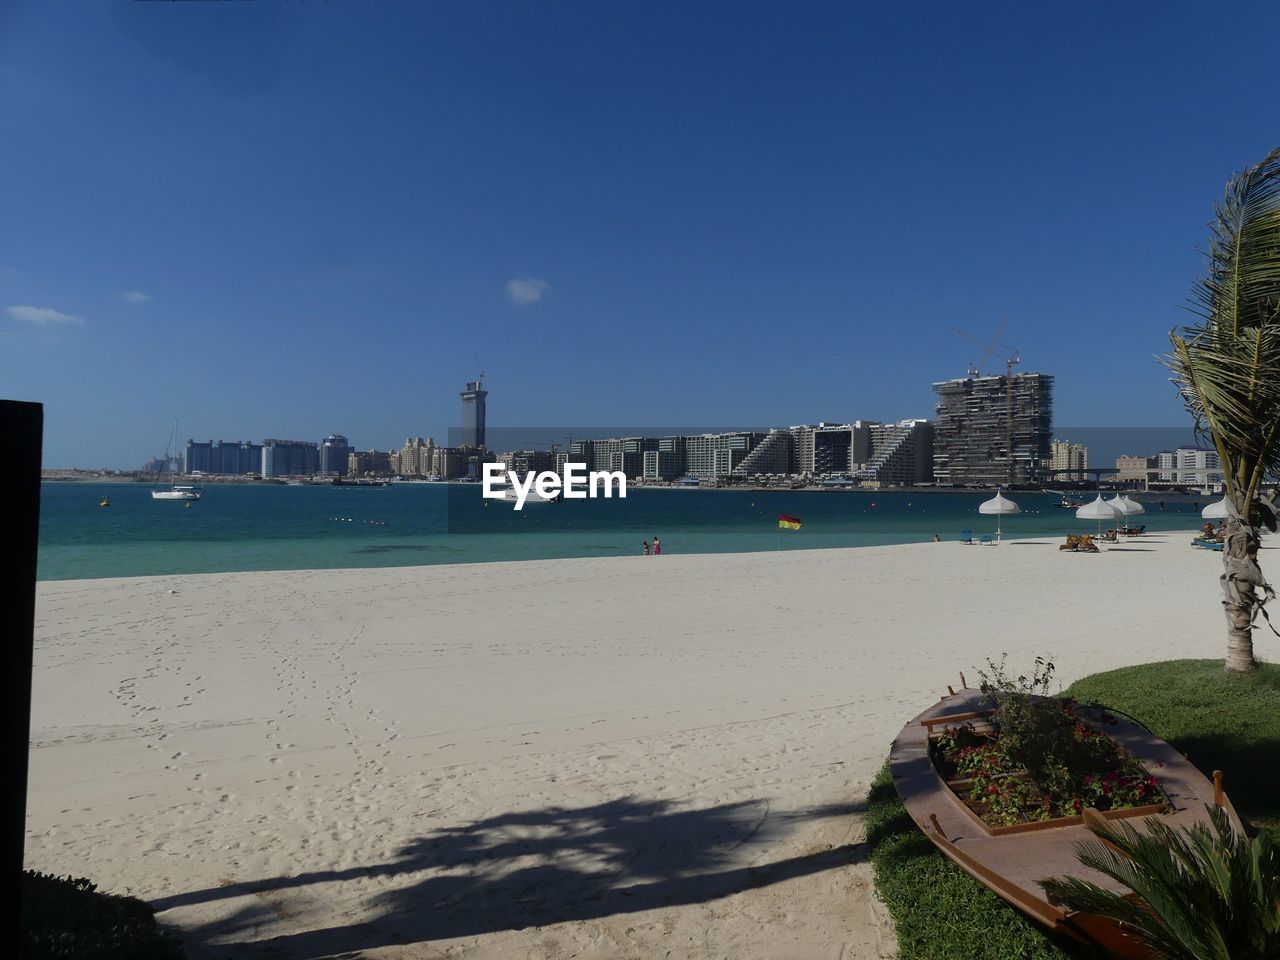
(992, 430)
(1066, 455)
(334, 451)
(473, 413)
(290, 458)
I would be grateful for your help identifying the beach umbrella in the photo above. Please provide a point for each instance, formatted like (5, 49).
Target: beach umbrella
(1000, 506)
(1098, 510)
(1216, 510)
(1125, 506)
(1118, 504)
(1134, 507)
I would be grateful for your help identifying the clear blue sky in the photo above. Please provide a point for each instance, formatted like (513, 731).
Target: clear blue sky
(725, 213)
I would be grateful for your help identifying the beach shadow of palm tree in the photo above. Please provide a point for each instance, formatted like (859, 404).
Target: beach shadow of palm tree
(534, 868)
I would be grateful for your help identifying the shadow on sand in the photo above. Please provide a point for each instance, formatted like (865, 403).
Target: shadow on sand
(529, 869)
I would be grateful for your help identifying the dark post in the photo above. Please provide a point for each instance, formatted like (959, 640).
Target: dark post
(21, 424)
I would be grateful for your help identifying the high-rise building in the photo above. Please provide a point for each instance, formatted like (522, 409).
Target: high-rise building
(1192, 466)
(196, 458)
(1131, 468)
(334, 451)
(621, 453)
(831, 449)
(1196, 466)
(1065, 455)
(368, 463)
(524, 462)
(993, 430)
(774, 455)
(473, 414)
(712, 455)
(901, 454)
(582, 451)
(290, 458)
(665, 459)
(236, 457)
(450, 462)
(672, 460)
(227, 457)
(414, 458)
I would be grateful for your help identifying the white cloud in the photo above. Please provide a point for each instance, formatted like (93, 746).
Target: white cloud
(135, 296)
(523, 291)
(42, 315)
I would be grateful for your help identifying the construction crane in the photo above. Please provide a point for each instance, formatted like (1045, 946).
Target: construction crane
(988, 349)
(1011, 358)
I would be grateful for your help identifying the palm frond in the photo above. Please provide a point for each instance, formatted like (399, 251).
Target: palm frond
(1194, 894)
(1227, 365)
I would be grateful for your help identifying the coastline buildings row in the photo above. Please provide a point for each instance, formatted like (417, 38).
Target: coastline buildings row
(331, 457)
(271, 458)
(886, 453)
(335, 457)
(989, 430)
(1185, 466)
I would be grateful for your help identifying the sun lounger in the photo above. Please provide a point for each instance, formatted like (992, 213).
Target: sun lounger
(1207, 543)
(966, 536)
(1079, 544)
(987, 538)
(1133, 531)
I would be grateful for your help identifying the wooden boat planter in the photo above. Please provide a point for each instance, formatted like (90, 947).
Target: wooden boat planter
(1010, 860)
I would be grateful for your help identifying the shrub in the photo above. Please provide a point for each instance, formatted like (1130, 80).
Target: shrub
(1196, 893)
(65, 918)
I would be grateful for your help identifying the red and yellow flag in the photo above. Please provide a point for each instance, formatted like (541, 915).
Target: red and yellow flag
(788, 523)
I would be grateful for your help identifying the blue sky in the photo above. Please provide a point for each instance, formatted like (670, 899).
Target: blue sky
(714, 213)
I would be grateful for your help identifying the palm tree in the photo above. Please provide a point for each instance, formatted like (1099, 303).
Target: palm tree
(1197, 894)
(1227, 368)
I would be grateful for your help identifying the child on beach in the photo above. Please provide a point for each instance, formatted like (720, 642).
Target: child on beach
(646, 548)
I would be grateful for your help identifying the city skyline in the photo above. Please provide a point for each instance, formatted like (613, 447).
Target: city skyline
(309, 236)
(971, 414)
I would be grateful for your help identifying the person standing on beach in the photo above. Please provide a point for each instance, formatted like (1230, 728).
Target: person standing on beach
(657, 546)
(646, 548)
(936, 538)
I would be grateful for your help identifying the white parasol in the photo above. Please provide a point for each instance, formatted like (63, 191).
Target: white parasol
(1000, 506)
(1216, 510)
(1098, 510)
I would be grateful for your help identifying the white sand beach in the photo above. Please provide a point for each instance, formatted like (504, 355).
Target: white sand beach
(632, 757)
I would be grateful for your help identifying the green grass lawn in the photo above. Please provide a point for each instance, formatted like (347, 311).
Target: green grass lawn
(1220, 721)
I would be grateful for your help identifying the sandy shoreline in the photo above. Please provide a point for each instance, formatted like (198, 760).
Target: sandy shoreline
(590, 758)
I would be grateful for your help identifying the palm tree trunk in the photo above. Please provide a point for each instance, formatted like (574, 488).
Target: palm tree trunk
(1240, 575)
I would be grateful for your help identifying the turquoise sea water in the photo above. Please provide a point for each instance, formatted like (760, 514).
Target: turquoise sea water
(276, 527)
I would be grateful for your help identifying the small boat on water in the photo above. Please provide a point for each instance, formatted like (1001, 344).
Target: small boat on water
(104, 502)
(174, 490)
(1067, 503)
(176, 493)
(1011, 860)
(511, 495)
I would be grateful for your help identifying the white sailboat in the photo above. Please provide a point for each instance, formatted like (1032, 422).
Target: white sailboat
(175, 491)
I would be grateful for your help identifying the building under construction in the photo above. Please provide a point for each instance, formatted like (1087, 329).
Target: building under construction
(981, 419)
